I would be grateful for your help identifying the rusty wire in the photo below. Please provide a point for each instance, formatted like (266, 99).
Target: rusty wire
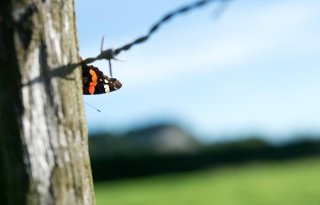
(111, 54)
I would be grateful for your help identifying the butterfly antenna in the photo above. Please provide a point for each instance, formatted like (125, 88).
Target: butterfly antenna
(92, 107)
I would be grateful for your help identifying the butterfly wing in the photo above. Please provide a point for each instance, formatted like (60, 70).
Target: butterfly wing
(95, 82)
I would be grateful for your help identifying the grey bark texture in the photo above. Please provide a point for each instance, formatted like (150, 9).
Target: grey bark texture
(43, 135)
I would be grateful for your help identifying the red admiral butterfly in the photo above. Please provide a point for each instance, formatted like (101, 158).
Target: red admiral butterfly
(95, 82)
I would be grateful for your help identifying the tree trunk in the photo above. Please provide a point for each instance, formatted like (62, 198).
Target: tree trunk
(43, 135)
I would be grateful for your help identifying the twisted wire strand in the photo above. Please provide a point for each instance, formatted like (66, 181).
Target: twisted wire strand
(111, 53)
(162, 21)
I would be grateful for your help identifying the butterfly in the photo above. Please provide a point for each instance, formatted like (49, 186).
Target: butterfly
(96, 82)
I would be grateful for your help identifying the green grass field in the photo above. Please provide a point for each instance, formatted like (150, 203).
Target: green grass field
(279, 183)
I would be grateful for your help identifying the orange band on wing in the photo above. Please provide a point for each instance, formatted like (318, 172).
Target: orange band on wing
(94, 81)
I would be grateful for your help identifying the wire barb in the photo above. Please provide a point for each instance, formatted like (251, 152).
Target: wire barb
(101, 47)
(110, 68)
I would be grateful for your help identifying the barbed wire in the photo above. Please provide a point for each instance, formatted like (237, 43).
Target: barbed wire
(110, 54)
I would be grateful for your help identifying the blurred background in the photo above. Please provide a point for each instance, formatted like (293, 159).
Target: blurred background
(220, 106)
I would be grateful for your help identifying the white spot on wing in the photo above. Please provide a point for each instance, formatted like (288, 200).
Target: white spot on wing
(106, 88)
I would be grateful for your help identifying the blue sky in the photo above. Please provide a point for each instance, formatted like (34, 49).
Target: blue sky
(254, 70)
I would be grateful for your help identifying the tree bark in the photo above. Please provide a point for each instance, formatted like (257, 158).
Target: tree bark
(43, 135)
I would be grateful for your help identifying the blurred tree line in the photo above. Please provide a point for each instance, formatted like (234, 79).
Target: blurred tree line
(166, 148)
